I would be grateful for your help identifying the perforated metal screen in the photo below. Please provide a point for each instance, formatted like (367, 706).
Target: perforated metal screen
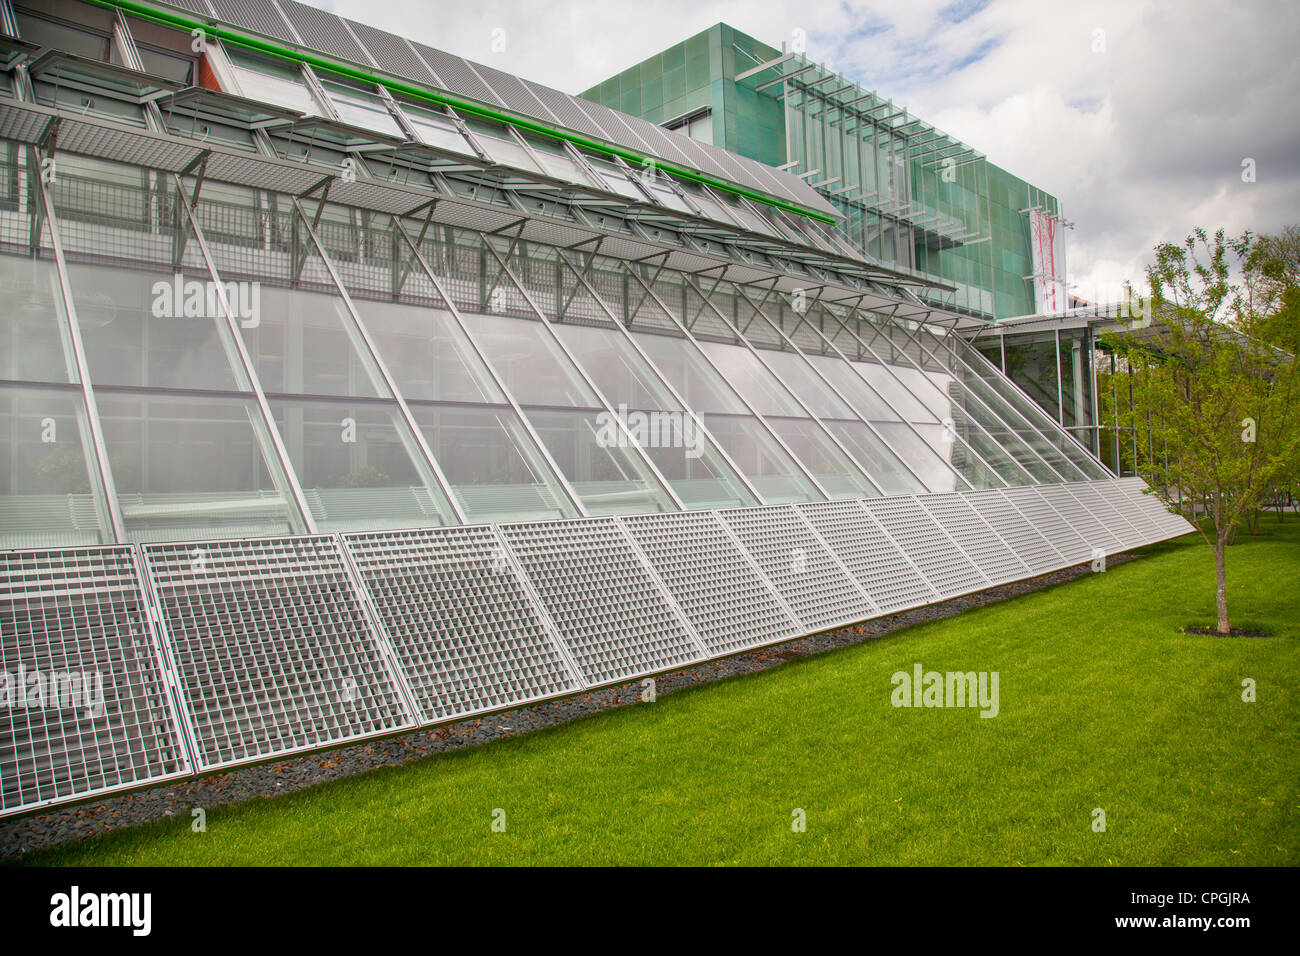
(882, 570)
(1152, 508)
(1114, 519)
(272, 646)
(803, 568)
(615, 618)
(976, 537)
(936, 555)
(86, 707)
(1064, 504)
(1043, 516)
(269, 646)
(465, 629)
(1015, 528)
(722, 592)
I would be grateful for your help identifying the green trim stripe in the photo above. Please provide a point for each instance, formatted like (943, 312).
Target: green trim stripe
(297, 56)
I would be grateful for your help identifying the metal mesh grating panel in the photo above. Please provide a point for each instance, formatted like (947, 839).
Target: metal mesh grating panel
(1024, 540)
(322, 30)
(273, 649)
(260, 16)
(565, 108)
(196, 6)
(455, 74)
(727, 600)
(608, 609)
(462, 623)
(933, 552)
(1081, 518)
(805, 572)
(1044, 516)
(981, 542)
(87, 708)
(22, 125)
(1115, 520)
(1168, 523)
(393, 54)
(861, 544)
(124, 146)
(512, 91)
(660, 140)
(1114, 495)
(257, 174)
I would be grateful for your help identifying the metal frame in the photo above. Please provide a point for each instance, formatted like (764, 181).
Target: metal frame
(915, 339)
(586, 378)
(363, 335)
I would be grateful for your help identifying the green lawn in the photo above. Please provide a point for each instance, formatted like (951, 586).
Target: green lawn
(1103, 704)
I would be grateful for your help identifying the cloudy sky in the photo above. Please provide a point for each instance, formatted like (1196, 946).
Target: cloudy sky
(1138, 115)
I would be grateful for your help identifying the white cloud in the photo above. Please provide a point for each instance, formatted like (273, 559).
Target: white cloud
(1141, 141)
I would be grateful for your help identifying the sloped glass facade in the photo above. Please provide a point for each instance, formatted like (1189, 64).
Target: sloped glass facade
(330, 413)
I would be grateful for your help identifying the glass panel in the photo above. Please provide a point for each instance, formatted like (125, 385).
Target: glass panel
(1001, 452)
(674, 438)
(868, 404)
(31, 337)
(797, 376)
(613, 179)
(557, 162)
(693, 378)
(271, 81)
(764, 462)
(759, 387)
(833, 470)
(191, 468)
(1008, 442)
(619, 372)
(58, 36)
(491, 464)
(1076, 378)
(74, 98)
(698, 474)
(909, 392)
(501, 146)
(145, 328)
(427, 354)
(884, 467)
(1029, 422)
(921, 455)
(608, 478)
(355, 463)
(304, 344)
(534, 368)
(435, 129)
(359, 108)
(665, 194)
(1031, 364)
(45, 486)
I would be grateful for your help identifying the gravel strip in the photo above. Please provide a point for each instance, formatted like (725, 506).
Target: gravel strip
(45, 829)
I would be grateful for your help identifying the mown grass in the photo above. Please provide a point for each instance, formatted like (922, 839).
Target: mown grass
(1103, 705)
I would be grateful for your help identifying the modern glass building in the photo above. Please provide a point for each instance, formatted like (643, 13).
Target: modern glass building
(349, 386)
(906, 193)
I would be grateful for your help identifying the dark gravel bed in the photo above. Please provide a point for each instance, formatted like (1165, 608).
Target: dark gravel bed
(284, 776)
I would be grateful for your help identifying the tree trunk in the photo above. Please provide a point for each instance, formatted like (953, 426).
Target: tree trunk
(1221, 579)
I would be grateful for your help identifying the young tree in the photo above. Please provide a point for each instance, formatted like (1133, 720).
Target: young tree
(1214, 408)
